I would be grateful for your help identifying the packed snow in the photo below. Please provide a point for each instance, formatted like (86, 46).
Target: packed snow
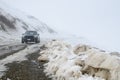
(62, 63)
(18, 57)
(81, 62)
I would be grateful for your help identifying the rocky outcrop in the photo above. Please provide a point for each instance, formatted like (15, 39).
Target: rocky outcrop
(6, 22)
(12, 20)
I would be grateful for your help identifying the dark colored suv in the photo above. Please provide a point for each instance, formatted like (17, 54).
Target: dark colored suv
(30, 36)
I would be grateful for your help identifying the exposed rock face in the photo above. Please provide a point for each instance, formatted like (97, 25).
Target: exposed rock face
(12, 20)
(6, 22)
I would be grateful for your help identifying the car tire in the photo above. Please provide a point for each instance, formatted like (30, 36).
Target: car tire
(38, 41)
(22, 41)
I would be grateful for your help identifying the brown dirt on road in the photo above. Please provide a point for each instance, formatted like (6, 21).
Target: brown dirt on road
(30, 69)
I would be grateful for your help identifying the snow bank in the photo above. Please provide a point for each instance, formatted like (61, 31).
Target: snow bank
(103, 65)
(63, 63)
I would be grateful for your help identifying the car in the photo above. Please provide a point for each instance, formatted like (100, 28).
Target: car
(30, 36)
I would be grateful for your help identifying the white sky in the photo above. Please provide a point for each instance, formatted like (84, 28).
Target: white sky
(97, 20)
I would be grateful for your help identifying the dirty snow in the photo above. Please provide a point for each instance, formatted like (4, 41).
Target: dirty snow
(20, 56)
(62, 63)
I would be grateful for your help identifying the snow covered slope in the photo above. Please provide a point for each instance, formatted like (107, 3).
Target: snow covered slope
(14, 22)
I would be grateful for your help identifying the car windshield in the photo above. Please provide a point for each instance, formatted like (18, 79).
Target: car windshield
(31, 33)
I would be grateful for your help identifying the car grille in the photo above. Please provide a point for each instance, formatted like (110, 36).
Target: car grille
(29, 37)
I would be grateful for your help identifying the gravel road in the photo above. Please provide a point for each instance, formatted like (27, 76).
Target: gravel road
(26, 69)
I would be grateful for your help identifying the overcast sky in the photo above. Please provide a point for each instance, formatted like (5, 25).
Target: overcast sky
(97, 20)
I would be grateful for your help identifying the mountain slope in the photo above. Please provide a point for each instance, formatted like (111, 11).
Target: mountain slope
(14, 22)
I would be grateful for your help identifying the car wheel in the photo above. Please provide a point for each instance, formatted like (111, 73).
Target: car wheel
(22, 41)
(38, 41)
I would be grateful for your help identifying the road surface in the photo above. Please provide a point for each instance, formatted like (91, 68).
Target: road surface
(19, 62)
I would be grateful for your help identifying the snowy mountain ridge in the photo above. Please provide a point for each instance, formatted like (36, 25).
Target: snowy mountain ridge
(14, 22)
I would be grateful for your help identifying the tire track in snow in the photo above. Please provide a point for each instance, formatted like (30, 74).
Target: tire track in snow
(30, 69)
(18, 57)
(7, 50)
